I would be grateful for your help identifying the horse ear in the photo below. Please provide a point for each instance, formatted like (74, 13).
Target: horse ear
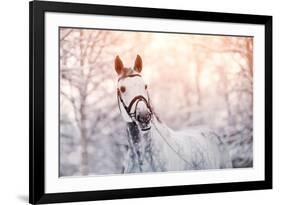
(138, 64)
(118, 65)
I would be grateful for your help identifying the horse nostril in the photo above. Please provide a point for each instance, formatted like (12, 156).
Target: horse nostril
(139, 118)
(148, 116)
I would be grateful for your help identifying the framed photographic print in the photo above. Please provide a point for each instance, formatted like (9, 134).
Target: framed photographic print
(140, 102)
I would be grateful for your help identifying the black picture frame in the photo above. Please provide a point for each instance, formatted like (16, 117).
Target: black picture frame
(37, 9)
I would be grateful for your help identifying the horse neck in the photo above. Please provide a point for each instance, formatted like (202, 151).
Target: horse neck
(150, 160)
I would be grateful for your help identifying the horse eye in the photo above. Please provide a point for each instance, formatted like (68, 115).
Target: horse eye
(123, 89)
(145, 86)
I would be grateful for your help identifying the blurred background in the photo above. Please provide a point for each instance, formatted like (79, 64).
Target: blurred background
(193, 80)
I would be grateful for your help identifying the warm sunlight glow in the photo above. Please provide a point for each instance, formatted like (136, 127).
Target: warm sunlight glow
(192, 81)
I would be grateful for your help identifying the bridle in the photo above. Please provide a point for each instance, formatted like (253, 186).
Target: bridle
(134, 101)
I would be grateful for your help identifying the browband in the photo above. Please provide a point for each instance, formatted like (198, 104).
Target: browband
(125, 76)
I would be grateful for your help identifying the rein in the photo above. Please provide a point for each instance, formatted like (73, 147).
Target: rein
(169, 145)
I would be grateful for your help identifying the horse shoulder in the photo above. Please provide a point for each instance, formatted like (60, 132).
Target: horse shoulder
(205, 149)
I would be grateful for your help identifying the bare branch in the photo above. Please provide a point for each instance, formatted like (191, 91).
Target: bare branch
(65, 35)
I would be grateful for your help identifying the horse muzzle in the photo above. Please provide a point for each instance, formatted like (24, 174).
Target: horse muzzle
(143, 116)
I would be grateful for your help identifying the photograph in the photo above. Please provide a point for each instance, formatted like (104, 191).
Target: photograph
(138, 102)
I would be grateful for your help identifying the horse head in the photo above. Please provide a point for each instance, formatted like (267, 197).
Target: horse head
(133, 98)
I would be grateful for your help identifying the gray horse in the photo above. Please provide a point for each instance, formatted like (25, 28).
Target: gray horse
(153, 146)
